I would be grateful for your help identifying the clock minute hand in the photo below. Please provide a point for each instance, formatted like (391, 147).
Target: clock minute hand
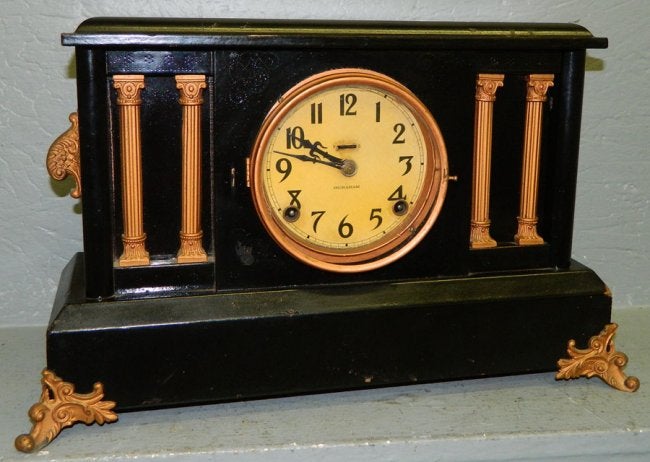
(314, 160)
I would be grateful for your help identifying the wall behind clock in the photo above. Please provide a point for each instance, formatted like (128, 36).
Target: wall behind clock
(40, 228)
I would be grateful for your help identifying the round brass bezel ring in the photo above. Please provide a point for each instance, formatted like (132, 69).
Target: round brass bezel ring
(425, 209)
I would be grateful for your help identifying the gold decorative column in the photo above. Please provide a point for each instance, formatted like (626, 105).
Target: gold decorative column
(128, 100)
(538, 85)
(486, 89)
(191, 248)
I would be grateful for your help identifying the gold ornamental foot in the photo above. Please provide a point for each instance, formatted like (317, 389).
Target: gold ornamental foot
(63, 157)
(601, 360)
(61, 407)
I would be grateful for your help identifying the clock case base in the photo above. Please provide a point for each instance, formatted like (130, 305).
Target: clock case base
(161, 352)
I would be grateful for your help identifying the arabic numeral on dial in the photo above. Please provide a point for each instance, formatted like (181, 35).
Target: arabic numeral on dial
(347, 102)
(318, 214)
(283, 166)
(398, 195)
(375, 214)
(345, 229)
(295, 137)
(399, 130)
(400, 206)
(316, 113)
(294, 198)
(407, 160)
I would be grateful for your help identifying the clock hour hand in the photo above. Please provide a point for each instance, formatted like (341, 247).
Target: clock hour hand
(317, 149)
(314, 160)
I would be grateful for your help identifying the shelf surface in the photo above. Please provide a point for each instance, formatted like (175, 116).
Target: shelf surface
(529, 417)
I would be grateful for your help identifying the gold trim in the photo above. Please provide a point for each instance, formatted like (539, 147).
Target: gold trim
(601, 360)
(63, 156)
(191, 97)
(128, 101)
(265, 28)
(60, 407)
(538, 85)
(486, 89)
(608, 292)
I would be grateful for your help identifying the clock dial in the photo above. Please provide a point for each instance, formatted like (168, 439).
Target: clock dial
(349, 170)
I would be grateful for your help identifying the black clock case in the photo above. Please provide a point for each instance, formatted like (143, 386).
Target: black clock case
(252, 322)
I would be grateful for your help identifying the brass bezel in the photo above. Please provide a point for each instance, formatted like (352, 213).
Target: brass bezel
(426, 208)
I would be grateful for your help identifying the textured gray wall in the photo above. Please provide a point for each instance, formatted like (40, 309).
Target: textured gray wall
(40, 230)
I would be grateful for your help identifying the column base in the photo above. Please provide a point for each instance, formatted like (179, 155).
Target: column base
(135, 253)
(527, 232)
(480, 236)
(191, 250)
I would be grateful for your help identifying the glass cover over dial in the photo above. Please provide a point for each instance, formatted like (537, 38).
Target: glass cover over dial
(349, 170)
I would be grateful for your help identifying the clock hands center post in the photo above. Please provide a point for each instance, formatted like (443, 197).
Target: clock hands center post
(316, 149)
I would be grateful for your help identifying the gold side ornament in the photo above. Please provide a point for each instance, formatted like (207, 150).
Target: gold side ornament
(601, 360)
(63, 156)
(61, 407)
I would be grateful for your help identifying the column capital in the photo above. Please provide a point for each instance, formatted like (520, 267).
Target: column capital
(191, 88)
(487, 86)
(128, 89)
(538, 85)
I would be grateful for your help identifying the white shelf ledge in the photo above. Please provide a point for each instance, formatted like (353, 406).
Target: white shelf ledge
(529, 418)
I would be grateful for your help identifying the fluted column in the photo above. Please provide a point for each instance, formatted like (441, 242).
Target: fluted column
(191, 247)
(128, 100)
(486, 88)
(538, 85)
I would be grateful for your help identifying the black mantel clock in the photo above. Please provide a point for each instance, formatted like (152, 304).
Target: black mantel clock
(277, 208)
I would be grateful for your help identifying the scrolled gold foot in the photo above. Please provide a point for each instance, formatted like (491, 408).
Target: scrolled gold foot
(601, 360)
(61, 407)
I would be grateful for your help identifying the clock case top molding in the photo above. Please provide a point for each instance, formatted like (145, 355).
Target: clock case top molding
(251, 321)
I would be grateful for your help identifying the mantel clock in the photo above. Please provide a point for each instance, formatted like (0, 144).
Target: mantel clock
(272, 208)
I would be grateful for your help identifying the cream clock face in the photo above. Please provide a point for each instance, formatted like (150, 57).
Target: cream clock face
(349, 171)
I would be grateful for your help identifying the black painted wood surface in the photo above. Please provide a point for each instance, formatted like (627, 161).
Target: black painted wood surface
(222, 347)
(252, 322)
(248, 65)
